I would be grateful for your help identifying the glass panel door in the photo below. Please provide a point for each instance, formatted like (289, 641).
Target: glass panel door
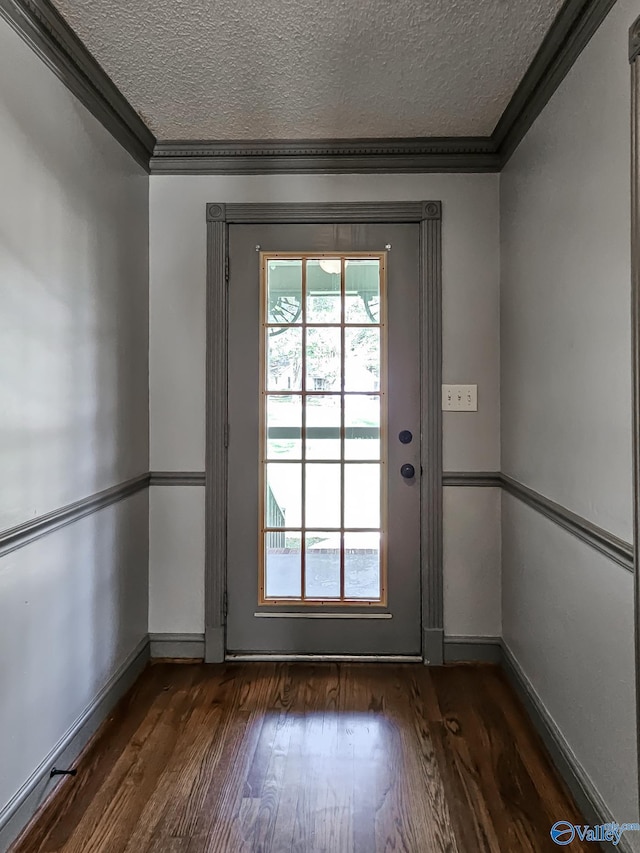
(322, 537)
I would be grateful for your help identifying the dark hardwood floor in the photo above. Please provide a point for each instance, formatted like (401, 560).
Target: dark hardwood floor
(299, 757)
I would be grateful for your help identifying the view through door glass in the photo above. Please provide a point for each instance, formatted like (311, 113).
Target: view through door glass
(323, 398)
(323, 530)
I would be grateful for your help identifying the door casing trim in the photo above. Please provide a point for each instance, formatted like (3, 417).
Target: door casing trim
(428, 215)
(634, 59)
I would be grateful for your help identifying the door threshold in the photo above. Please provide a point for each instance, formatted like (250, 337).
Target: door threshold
(265, 657)
(297, 614)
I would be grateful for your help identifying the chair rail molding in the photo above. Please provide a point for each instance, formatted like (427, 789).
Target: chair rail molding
(611, 546)
(176, 478)
(472, 479)
(41, 525)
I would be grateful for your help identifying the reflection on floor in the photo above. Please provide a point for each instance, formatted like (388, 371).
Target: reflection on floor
(300, 757)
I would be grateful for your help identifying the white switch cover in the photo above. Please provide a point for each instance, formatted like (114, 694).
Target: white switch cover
(459, 398)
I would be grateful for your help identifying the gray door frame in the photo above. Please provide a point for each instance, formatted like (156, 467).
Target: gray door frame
(634, 59)
(428, 214)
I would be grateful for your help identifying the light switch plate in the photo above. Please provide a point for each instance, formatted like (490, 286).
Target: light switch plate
(459, 398)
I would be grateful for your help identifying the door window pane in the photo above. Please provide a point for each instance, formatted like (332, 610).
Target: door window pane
(283, 495)
(362, 290)
(323, 426)
(362, 359)
(284, 359)
(322, 571)
(284, 427)
(361, 495)
(283, 561)
(362, 565)
(324, 302)
(284, 291)
(322, 495)
(361, 427)
(323, 359)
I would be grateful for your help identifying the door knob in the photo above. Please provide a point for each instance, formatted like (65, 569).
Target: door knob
(408, 471)
(405, 437)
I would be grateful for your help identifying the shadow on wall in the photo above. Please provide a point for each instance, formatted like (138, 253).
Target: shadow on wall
(73, 257)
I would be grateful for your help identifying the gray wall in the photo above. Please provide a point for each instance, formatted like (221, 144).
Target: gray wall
(471, 352)
(566, 414)
(74, 411)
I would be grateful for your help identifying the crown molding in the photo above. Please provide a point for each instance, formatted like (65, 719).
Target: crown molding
(304, 156)
(46, 31)
(53, 40)
(572, 29)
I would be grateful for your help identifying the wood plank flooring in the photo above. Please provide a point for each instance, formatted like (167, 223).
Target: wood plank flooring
(339, 758)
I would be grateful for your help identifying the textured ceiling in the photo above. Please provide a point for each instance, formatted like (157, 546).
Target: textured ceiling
(290, 69)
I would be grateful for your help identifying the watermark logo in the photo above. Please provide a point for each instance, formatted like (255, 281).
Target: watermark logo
(563, 832)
